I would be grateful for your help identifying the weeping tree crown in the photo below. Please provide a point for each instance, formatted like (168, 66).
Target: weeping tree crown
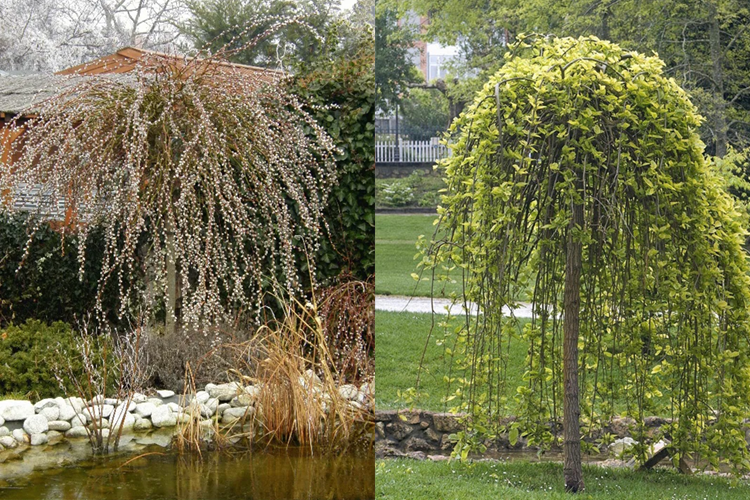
(219, 174)
(578, 142)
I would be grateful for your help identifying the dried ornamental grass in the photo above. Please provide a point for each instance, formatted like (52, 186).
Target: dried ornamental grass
(215, 173)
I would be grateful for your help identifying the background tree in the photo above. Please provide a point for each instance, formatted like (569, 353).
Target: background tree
(425, 113)
(394, 70)
(230, 24)
(580, 159)
(50, 35)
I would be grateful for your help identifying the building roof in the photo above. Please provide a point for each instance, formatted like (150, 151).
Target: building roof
(21, 93)
(126, 59)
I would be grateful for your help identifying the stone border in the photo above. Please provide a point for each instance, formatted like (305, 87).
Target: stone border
(53, 419)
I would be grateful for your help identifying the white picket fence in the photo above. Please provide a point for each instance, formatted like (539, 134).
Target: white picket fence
(410, 152)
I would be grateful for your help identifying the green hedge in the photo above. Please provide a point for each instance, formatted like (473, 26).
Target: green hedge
(341, 97)
(46, 285)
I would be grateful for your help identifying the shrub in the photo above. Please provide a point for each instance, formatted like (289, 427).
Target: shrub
(45, 283)
(341, 97)
(347, 313)
(29, 354)
(397, 193)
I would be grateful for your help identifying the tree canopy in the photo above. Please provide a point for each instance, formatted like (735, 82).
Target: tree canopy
(578, 182)
(198, 174)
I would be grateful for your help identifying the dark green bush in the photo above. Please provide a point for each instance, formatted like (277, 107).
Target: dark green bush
(46, 285)
(29, 354)
(341, 97)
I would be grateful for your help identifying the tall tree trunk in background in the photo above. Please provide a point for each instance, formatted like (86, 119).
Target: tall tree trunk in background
(572, 468)
(720, 120)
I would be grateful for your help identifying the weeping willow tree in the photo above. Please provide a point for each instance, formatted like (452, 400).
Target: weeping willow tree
(217, 175)
(578, 182)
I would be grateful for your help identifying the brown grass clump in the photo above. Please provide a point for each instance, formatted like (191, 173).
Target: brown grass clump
(295, 395)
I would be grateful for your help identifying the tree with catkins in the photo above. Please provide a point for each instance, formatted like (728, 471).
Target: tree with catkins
(578, 181)
(218, 177)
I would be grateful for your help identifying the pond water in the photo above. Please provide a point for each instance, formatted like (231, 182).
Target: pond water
(282, 473)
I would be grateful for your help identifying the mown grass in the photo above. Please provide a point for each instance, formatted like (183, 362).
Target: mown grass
(417, 480)
(395, 248)
(400, 340)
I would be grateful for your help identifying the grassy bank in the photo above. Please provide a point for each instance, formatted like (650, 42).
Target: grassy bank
(401, 339)
(399, 478)
(395, 248)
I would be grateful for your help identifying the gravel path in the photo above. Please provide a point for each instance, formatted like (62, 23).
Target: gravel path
(399, 303)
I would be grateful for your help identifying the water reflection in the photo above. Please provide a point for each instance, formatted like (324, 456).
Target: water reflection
(273, 474)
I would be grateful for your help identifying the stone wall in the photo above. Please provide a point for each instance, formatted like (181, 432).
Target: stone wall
(419, 434)
(414, 433)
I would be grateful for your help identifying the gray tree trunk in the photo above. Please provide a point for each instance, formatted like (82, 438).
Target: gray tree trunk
(572, 469)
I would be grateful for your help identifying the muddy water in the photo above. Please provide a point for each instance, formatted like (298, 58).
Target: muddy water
(273, 474)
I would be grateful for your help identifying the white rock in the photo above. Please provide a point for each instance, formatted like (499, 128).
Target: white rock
(44, 403)
(77, 403)
(144, 409)
(163, 417)
(222, 407)
(155, 401)
(96, 400)
(242, 400)
(14, 409)
(224, 392)
(59, 425)
(252, 390)
(202, 396)
(174, 407)
(20, 436)
(121, 415)
(2, 421)
(37, 439)
(183, 418)
(212, 405)
(348, 391)
(67, 412)
(139, 398)
(142, 424)
(207, 411)
(4, 431)
(51, 413)
(209, 387)
(233, 414)
(112, 401)
(105, 433)
(79, 419)
(76, 432)
(164, 394)
(366, 389)
(8, 441)
(94, 412)
(36, 424)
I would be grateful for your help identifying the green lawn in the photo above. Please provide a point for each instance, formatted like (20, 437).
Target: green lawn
(395, 248)
(400, 339)
(416, 480)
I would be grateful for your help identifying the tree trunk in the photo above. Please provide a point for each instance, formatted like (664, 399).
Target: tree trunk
(571, 304)
(720, 119)
(171, 298)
